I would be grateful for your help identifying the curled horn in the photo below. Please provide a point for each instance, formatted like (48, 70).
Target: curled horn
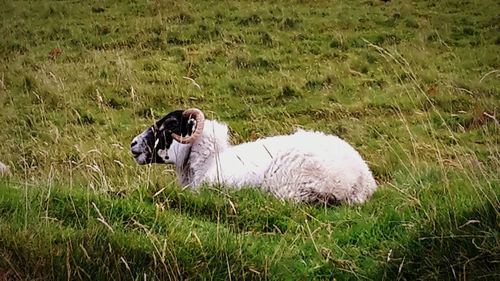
(200, 122)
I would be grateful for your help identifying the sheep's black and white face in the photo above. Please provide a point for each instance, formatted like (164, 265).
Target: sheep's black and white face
(152, 145)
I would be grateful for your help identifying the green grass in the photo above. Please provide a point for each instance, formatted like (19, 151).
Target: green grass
(414, 86)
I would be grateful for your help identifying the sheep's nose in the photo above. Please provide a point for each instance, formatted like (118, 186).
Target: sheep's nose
(134, 142)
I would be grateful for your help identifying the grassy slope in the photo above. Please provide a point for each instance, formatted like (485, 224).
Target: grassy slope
(413, 85)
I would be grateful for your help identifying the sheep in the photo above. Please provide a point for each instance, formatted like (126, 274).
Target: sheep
(306, 166)
(4, 170)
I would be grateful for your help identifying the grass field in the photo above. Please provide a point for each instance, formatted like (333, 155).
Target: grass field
(413, 85)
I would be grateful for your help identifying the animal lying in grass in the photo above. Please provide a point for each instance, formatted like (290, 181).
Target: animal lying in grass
(305, 166)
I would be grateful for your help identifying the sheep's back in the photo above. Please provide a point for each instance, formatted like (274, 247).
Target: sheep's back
(306, 165)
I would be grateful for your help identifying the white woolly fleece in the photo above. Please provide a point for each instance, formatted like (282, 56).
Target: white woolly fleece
(305, 166)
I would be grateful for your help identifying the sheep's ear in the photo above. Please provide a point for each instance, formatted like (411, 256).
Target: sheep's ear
(187, 125)
(192, 122)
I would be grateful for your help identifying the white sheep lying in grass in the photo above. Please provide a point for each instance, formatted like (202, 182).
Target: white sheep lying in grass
(304, 166)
